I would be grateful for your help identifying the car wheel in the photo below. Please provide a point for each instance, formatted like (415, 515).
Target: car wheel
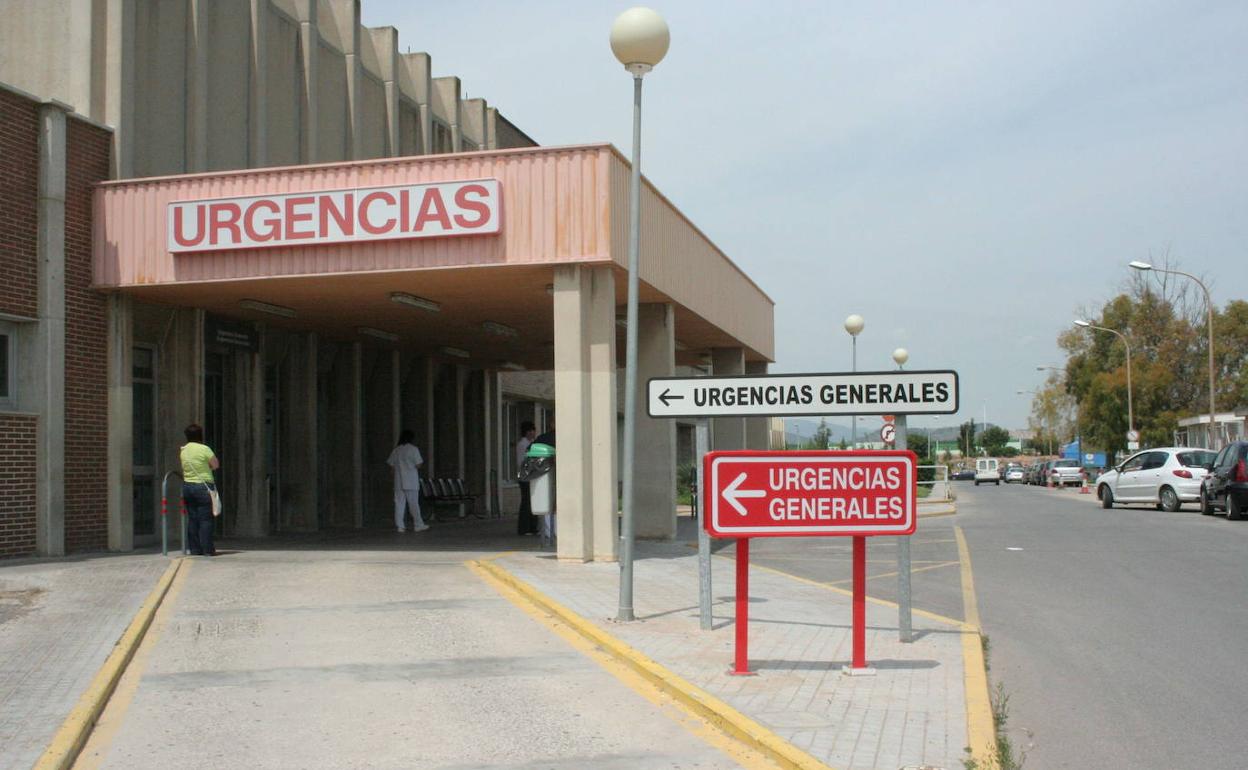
(1234, 510)
(1107, 497)
(1169, 500)
(1206, 507)
(998, 483)
(976, 482)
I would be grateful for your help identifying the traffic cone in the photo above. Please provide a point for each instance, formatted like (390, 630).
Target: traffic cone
(1085, 489)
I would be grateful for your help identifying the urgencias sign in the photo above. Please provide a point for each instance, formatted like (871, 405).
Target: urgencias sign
(335, 216)
(769, 494)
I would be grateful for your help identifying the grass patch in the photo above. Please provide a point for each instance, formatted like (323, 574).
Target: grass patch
(1005, 755)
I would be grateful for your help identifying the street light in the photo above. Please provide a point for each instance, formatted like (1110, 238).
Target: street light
(1209, 308)
(1130, 411)
(639, 39)
(854, 325)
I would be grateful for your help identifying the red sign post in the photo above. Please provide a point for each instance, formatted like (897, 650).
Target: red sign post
(808, 494)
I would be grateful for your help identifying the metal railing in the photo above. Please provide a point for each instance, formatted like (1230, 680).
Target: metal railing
(164, 514)
(938, 484)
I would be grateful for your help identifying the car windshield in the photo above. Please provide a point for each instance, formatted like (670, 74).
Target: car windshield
(1195, 459)
(1066, 464)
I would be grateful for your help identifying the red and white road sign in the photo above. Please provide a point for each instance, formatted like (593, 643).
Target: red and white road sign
(770, 494)
(888, 432)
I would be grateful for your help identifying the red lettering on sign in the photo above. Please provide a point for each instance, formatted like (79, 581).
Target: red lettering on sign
(366, 223)
(294, 216)
(272, 225)
(480, 207)
(345, 216)
(432, 209)
(224, 216)
(179, 218)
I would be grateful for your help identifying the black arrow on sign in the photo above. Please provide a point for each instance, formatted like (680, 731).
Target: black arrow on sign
(667, 398)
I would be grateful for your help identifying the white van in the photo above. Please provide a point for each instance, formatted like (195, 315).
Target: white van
(987, 470)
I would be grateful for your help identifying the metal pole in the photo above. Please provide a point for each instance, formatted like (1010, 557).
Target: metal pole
(702, 442)
(625, 612)
(904, 627)
(854, 419)
(741, 660)
(860, 603)
(1130, 406)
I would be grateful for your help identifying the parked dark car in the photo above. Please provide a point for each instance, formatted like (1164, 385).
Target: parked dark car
(963, 474)
(1226, 486)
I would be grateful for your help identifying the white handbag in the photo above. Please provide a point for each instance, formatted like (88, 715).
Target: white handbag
(216, 501)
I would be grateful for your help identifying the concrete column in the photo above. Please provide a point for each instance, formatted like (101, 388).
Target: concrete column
(116, 98)
(604, 466)
(309, 44)
(120, 319)
(757, 434)
(381, 426)
(572, 412)
(300, 499)
(655, 467)
(489, 439)
(385, 41)
(345, 506)
(727, 432)
(257, 91)
(179, 386)
(461, 376)
(248, 471)
(347, 19)
(49, 336)
(197, 86)
(431, 425)
(586, 488)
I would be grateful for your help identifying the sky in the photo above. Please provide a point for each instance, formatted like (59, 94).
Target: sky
(965, 175)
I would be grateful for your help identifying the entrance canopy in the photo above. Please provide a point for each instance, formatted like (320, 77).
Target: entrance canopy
(366, 248)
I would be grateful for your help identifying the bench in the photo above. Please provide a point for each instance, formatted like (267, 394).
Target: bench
(445, 492)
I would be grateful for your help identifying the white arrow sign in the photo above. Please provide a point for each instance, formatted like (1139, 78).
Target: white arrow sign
(732, 494)
(790, 395)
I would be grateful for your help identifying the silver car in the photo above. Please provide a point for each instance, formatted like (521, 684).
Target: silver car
(1065, 472)
(1166, 477)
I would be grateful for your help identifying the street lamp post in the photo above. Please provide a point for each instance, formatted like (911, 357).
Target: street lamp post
(853, 325)
(1209, 309)
(1127, 344)
(639, 39)
(901, 438)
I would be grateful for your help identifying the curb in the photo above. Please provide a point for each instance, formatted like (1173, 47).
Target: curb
(944, 510)
(73, 732)
(718, 713)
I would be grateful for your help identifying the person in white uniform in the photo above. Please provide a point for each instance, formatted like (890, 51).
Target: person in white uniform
(406, 461)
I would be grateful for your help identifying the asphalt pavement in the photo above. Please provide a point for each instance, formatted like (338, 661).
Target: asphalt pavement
(1117, 635)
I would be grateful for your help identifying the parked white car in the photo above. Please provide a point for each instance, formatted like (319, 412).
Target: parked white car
(987, 471)
(1166, 477)
(1014, 475)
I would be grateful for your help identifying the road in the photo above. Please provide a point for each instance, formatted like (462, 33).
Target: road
(1116, 634)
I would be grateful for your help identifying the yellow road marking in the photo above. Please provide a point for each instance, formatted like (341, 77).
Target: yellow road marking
(894, 573)
(749, 743)
(73, 732)
(981, 732)
(110, 721)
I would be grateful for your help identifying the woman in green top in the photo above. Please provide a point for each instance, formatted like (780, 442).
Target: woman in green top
(198, 463)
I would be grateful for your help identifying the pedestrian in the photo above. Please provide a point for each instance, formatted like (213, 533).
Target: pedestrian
(406, 461)
(548, 526)
(527, 523)
(199, 489)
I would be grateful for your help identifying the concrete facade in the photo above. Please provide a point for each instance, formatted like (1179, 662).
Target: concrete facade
(53, 406)
(304, 411)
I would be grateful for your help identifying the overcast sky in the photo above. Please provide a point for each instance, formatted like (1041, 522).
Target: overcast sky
(962, 174)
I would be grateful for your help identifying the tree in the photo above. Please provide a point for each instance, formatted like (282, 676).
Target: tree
(996, 441)
(966, 437)
(917, 442)
(822, 438)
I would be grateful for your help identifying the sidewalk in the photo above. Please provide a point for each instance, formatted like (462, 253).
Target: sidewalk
(59, 620)
(912, 712)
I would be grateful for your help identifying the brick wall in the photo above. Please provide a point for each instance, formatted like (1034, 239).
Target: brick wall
(86, 344)
(17, 485)
(19, 192)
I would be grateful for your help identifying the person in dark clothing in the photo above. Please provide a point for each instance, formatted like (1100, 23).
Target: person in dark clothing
(527, 523)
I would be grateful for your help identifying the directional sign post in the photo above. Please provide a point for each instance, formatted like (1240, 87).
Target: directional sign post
(805, 494)
(793, 395)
